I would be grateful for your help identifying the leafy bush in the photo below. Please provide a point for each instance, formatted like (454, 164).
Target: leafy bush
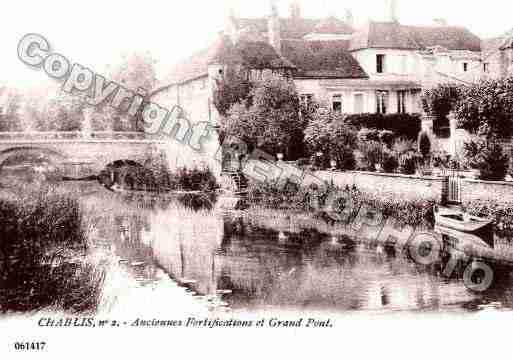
(233, 88)
(368, 134)
(440, 159)
(327, 133)
(402, 125)
(313, 199)
(402, 145)
(489, 105)
(195, 179)
(370, 154)
(409, 162)
(440, 101)
(424, 145)
(390, 162)
(487, 155)
(273, 121)
(387, 137)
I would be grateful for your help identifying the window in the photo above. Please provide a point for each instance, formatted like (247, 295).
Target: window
(337, 103)
(401, 101)
(486, 67)
(381, 102)
(465, 66)
(358, 103)
(380, 63)
(403, 64)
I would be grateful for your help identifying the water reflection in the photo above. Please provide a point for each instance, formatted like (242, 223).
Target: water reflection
(253, 264)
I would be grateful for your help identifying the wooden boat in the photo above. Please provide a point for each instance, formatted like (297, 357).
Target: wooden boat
(466, 242)
(463, 222)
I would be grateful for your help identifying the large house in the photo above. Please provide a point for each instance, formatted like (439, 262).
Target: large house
(381, 67)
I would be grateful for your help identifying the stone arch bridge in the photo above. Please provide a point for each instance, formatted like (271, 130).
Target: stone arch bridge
(75, 154)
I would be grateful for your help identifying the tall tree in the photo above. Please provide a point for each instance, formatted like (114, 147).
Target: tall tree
(273, 121)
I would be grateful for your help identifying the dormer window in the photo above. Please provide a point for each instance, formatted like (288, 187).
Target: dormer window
(380, 63)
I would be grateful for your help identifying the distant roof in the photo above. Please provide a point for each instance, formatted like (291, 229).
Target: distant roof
(297, 28)
(322, 59)
(397, 36)
(332, 25)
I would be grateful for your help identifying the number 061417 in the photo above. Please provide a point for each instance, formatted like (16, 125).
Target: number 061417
(29, 346)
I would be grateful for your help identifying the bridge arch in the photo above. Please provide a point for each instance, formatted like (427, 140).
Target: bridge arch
(29, 164)
(41, 153)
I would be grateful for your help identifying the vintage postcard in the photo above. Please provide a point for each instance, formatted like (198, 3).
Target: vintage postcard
(288, 178)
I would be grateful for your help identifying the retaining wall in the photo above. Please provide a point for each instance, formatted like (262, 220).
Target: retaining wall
(415, 187)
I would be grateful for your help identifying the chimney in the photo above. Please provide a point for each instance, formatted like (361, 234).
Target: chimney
(295, 10)
(440, 21)
(391, 11)
(274, 28)
(348, 18)
(230, 25)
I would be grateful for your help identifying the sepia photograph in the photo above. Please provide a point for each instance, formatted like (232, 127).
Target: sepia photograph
(237, 178)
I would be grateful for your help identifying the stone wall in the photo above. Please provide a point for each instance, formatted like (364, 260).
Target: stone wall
(484, 190)
(413, 187)
(407, 187)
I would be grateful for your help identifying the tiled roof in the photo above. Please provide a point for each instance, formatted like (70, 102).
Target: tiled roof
(397, 36)
(332, 25)
(260, 55)
(196, 65)
(450, 37)
(251, 54)
(322, 59)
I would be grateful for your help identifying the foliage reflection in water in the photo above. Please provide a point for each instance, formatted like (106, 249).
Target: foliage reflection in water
(249, 262)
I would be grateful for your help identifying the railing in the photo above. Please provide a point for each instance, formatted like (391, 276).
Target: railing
(74, 135)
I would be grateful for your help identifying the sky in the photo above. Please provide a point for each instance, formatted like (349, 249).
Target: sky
(96, 33)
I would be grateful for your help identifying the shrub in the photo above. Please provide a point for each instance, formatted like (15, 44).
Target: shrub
(409, 162)
(424, 145)
(347, 160)
(493, 162)
(370, 153)
(402, 145)
(440, 159)
(390, 162)
(440, 101)
(487, 104)
(327, 133)
(368, 134)
(406, 212)
(487, 156)
(195, 179)
(387, 137)
(402, 125)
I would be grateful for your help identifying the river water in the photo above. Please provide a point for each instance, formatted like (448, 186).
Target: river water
(262, 261)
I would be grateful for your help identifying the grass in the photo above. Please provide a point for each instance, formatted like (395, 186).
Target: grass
(323, 203)
(43, 254)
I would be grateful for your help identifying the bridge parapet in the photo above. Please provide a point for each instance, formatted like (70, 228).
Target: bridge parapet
(51, 136)
(74, 135)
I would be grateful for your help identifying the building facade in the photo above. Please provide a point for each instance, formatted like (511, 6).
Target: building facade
(381, 67)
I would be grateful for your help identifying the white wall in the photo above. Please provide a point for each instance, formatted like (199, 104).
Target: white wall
(195, 98)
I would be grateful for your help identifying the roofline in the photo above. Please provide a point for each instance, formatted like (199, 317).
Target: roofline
(404, 48)
(166, 87)
(329, 78)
